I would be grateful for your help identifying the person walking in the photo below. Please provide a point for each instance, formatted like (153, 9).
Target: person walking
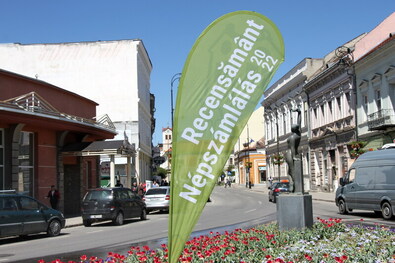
(53, 196)
(142, 189)
(135, 188)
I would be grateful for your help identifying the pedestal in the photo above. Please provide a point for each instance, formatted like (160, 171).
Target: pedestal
(294, 211)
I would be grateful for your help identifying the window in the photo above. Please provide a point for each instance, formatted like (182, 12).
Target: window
(365, 103)
(8, 204)
(29, 204)
(330, 107)
(351, 176)
(26, 163)
(306, 108)
(378, 100)
(284, 123)
(365, 176)
(2, 160)
(348, 98)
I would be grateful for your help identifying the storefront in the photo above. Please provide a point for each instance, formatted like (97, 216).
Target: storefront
(37, 120)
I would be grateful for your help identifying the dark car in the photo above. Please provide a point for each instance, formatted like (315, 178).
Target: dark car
(276, 189)
(157, 198)
(21, 215)
(112, 203)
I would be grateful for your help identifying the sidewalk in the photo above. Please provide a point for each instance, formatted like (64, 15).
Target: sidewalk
(319, 196)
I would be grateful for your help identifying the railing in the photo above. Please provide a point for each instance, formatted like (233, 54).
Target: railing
(381, 119)
(104, 121)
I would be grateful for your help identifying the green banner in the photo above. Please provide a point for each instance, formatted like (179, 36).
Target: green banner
(223, 79)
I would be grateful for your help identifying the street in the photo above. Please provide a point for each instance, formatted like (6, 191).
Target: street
(230, 208)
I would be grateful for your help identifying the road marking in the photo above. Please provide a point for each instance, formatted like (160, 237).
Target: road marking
(249, 211)
(4, 259)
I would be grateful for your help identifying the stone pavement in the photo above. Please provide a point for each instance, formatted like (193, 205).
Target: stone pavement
(319, 196)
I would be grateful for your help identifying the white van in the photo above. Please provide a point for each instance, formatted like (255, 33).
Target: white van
(369, 184)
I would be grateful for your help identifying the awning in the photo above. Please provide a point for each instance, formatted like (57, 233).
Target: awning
(98, 148)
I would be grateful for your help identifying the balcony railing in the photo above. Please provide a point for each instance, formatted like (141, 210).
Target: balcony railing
(381, 119)
(34, 104)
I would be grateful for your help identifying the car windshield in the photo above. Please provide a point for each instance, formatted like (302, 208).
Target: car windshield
(98, 195)
(156, 191)
(282, 185)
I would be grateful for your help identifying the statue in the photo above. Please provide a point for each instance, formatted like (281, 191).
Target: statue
(292, 156)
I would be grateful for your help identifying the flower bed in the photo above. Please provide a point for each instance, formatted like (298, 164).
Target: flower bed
(327, 241)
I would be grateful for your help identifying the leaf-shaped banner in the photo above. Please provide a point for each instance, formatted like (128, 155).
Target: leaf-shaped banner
(223, 79)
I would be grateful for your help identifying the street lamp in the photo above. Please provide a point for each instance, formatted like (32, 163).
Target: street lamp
(173, 79)
(247, 144)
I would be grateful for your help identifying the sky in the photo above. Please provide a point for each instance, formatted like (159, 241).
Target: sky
(169, 29)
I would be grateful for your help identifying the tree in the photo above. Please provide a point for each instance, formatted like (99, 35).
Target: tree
(161, 172)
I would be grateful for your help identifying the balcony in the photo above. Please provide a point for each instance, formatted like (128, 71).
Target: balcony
(381, 119)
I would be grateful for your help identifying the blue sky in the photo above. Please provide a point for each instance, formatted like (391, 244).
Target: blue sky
(170, 28)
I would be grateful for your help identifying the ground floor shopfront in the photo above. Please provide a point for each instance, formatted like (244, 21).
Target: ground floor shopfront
(35, 126)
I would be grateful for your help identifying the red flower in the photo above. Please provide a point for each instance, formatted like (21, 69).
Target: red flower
(84, 257)
(308, 257)
(41, 261)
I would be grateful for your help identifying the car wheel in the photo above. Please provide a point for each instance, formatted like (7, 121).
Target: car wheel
(118, 219)
(386, 210)
(143, 215)
(342, 207)
(54, 228)
(87, 222)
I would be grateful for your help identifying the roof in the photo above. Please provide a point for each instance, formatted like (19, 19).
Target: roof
(113, 147)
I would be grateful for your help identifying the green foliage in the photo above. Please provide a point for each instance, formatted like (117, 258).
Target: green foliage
(161, 172)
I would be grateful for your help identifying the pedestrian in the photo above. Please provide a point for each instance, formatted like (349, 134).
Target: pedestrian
(53, 196)
(249, 184)
(155, 184)
(142, 189)
(270, 181)
(135, 188)
(118, 184)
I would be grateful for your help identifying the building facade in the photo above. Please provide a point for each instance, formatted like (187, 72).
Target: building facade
(282, 99)
(331, 101)
(248, 159)
(375, 85)
(35, 128)
(116, 74)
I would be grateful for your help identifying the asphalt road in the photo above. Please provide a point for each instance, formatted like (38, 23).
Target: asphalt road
(230, 208)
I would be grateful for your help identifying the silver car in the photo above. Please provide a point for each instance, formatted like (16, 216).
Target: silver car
(157, 198)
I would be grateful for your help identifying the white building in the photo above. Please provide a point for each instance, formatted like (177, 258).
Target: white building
(115, 74)
(167, 140)
(375, 85)
(281, 99)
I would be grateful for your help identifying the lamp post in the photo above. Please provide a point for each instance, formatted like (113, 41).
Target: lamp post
(247, 166)
(176, 76)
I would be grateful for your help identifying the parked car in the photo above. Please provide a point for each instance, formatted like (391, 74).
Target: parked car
(111, 203)
(157, 198)
(369, 184)
(276, 189)
(21, 215)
